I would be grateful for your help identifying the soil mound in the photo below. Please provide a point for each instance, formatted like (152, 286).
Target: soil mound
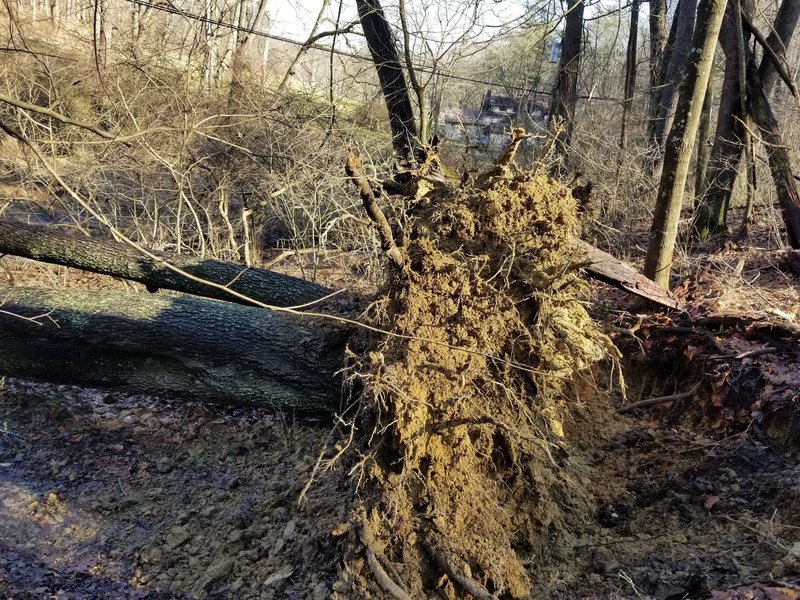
(491, 344)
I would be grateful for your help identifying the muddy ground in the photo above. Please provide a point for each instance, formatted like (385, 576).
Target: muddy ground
(106, 495)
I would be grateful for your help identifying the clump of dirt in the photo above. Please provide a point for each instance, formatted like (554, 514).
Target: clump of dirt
(491, 343)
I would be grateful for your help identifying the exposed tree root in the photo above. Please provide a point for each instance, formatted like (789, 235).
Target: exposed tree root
(466, 463)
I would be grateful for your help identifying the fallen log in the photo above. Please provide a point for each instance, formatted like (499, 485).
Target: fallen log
(172, 346)
(52, 245)
(604, 267)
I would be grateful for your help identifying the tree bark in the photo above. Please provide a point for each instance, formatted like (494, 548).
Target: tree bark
(660, 81)
(390, 73)
(602, 266)
(711, 215)
(562, 109)
(778, 40)
(676, 69)
(658, 41)
(780, 163)
(703, 147)
(630, 78)
(172, 346)
(678, 153)
(730, 135)
(120, 260)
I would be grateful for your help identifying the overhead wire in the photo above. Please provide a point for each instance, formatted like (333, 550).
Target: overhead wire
(172, 9)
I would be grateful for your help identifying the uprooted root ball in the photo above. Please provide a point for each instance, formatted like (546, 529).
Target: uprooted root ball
(467, 401)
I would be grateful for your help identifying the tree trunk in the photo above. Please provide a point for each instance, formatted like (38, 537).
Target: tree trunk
(562, 109)
(728, 145)
(778, 40)
(676, 68)
(711, 215)
(658, 35)
(172, 346)
(659, 85)
(779, 161)
(390, 73)
(681, 138)
(120, 260)
(630, 78)
(703, 147)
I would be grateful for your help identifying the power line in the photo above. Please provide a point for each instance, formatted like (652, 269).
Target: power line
(174, 10)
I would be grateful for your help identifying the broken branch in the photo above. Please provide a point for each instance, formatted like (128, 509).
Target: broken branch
(354, 170)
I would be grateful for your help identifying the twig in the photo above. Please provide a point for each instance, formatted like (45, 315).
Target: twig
(658, 400)
(356, 173)
(747, 354)
(6, 431)
(771, 539)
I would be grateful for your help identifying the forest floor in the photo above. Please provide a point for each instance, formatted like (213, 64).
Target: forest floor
(107, 495)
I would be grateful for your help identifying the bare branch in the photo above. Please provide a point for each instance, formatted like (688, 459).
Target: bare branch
(57, 116)
(354, 170)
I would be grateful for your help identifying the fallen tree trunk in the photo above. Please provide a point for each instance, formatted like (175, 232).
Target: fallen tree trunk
(46, 244)
(172, 346)
(51, 245)
(604, 267)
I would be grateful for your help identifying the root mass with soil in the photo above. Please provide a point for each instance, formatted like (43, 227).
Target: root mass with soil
(466, 461)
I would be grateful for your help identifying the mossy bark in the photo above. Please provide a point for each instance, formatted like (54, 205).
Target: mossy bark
(174, 346)
(678, 153)
(51, 245)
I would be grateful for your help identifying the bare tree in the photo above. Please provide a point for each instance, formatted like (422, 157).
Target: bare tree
(630, 76)
(675, 69)
(680, 142)
(562, 110)
(711, 214)
(393, 82)
(779, 160)
(778, 40)
(731, 137)
(658, 40)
